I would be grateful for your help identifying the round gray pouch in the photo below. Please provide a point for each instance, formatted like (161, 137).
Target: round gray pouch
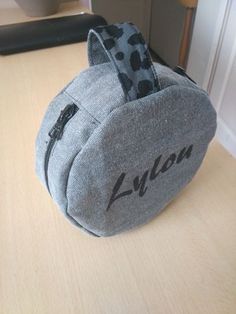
(124, 137)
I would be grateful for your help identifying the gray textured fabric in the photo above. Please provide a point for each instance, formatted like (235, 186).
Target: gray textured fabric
(117, 163)
(107, 137)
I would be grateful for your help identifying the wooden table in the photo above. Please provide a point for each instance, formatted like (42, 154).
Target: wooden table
(184, 261)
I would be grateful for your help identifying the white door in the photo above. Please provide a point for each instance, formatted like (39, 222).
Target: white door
(214, 63)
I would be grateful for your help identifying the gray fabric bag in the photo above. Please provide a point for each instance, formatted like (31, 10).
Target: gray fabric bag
(120, 141)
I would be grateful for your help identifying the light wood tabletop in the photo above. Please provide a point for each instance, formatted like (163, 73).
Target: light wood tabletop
(183, 261)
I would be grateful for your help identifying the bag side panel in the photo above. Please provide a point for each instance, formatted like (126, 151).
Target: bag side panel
(129, 142)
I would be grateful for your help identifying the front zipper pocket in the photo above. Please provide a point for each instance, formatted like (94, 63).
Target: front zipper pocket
(56, 134)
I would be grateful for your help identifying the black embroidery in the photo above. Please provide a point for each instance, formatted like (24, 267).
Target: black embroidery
(139, 183)
(168, 163)
(116, 189)
(154, 172)
(184, 154)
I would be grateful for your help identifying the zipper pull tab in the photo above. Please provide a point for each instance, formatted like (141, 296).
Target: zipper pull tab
(66, 114)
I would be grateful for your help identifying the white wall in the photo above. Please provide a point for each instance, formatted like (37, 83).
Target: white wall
(212, 63)
(208, 21)
(7, 4)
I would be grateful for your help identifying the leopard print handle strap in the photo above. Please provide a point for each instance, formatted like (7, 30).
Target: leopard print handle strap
(124, 46)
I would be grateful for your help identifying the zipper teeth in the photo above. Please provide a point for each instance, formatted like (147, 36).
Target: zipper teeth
(46, 161)
(53, 139)
(55, 134)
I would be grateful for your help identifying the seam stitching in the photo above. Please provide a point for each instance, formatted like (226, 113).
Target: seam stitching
(79, 104)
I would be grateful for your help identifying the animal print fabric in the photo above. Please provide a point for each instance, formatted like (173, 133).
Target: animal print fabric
(124, 46)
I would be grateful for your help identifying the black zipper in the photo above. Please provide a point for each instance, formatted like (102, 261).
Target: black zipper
(56, 134)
